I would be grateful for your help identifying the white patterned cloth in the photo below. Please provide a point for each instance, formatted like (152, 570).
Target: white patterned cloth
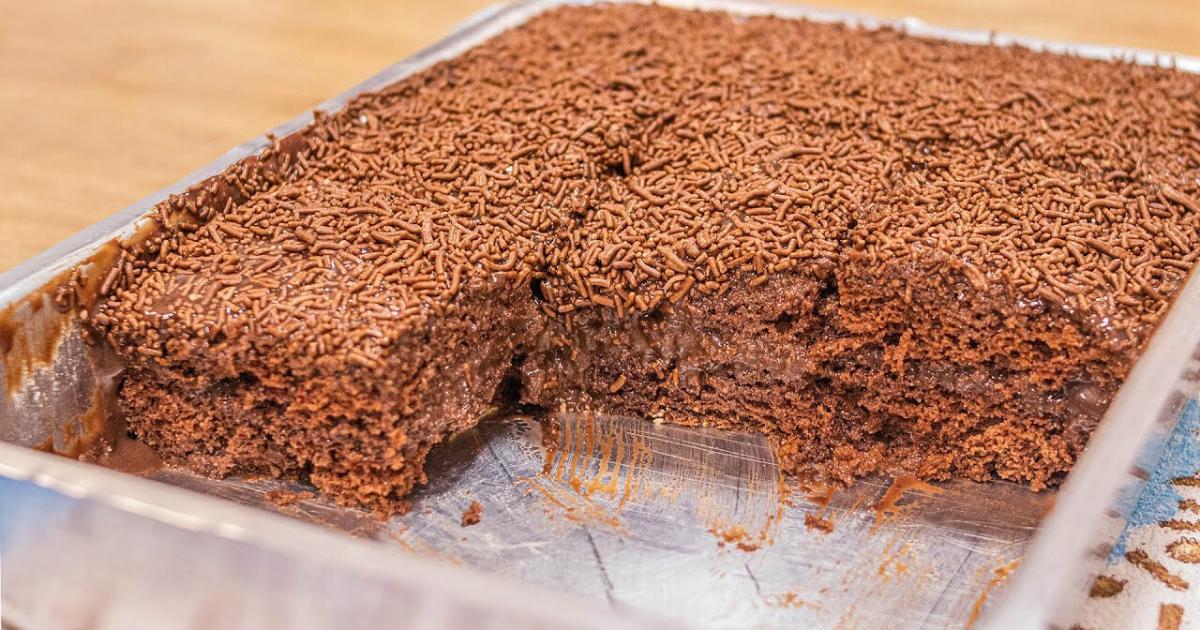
(1153, 576)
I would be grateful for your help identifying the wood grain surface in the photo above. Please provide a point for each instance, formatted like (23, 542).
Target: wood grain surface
(102, 103)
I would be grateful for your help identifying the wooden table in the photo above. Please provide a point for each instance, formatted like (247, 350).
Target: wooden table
(103, 103)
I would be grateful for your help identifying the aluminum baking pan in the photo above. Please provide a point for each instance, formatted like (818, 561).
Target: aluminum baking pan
(608, 521)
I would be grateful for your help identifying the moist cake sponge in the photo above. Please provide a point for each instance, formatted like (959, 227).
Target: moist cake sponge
(888, 253)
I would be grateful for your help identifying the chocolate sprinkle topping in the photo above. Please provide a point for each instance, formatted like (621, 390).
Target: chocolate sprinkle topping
(655, 152)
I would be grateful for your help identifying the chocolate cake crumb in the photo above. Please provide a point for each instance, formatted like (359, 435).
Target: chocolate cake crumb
(888, 253)
(287, 498)
(472, 514)
(814, 522)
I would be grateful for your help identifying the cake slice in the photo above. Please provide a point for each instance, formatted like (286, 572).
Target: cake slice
(887, 253)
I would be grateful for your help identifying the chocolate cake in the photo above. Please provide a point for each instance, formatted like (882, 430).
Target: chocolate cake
(888, 253)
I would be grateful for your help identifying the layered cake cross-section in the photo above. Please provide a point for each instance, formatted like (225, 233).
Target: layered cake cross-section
(888, 253)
